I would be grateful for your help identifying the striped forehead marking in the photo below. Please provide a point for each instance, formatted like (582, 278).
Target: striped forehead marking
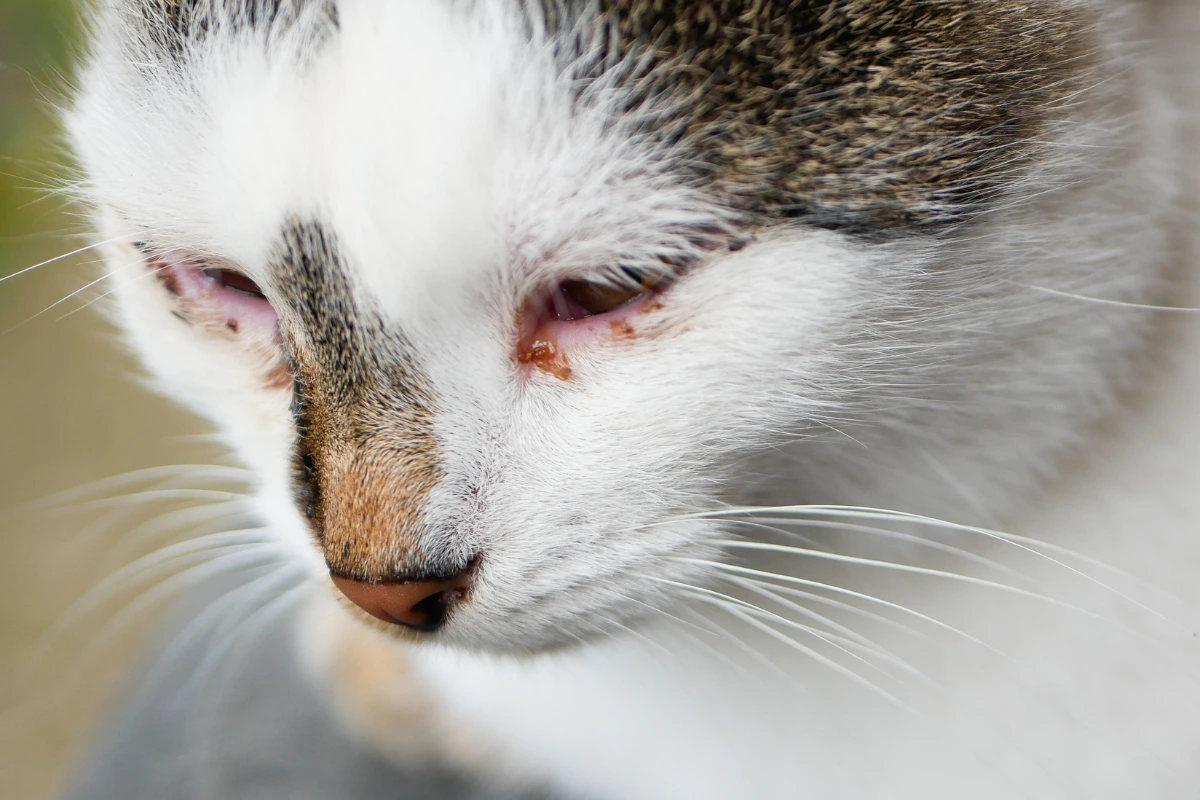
(850, 114)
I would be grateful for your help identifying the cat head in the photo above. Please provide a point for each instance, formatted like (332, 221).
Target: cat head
(499, 301)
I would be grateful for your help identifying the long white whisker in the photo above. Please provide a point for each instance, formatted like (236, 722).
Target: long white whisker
(709, 628)
(846, 633)
(149, 274)
(214, 611)
(192, 518)
(808, 651)
(1022, 543)
(196, 521)
(248, 555)
(155, 495)
(203, 774)
(1106, 302)
(607, 620)
(49, 261)
(762, 525)
(756, 573)
(829, 601)
(866, 512)
(140, 605)
(62, 300)
(832, 639)
(278, 573)
(898, 536)
(735, 606)
(706, 647)
(727, 635)
(192, 472)
(907, 568)
(120, 580)
(766, 592)
(671, 617)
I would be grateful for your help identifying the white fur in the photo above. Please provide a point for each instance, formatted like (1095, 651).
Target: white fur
(934, 377)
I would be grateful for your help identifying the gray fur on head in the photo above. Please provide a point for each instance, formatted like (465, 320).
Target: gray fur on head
(853, 114)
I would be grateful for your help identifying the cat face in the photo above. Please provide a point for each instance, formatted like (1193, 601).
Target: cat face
(497, 300)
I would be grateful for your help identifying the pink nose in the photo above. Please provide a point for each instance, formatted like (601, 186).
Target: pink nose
(416, 604)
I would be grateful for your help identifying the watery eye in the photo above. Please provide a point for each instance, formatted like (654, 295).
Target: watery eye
(235, 281)
(216, 298)
(578, 299)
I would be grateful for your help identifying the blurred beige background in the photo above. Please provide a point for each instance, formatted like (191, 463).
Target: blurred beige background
(71, 412)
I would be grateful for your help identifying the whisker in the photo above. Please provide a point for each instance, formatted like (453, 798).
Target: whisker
(670, 617)
(118, 622)
(847, 607)
(607, 620)
(162, 591)
(898, 536)
(278, 573)
(847, 633)
(849, 593)
(908, 568)
(761, 525)
(193, 519)
(105, 590)
(149, 274)
(808, 651)
(866, 512)
(204, 773)
(735, 605)
(49, 261)
(709, 628)
(210, 616)
(1023, 543)
(154, 495)
(193, 472)
(725, 634)
(1106, 302)
(103, 277)
(832, 639)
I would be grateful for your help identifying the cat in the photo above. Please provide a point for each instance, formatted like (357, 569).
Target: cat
(707, 400)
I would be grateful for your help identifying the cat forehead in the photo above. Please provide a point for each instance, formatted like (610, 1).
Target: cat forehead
(427, 139)
(217, 135)
(448, 126)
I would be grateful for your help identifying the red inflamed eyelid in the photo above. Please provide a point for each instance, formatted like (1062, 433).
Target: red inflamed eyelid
(218, 298)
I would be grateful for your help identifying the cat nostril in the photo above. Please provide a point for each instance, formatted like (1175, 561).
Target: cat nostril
(420, 604)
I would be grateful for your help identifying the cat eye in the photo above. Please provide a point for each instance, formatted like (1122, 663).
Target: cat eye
(579, 299)
(235, 281)
(215, 298)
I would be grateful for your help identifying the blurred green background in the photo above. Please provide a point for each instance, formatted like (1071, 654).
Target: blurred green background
(71, 412)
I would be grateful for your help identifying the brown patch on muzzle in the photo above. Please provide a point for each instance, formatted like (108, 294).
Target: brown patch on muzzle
(366, 458)
(365, 472)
